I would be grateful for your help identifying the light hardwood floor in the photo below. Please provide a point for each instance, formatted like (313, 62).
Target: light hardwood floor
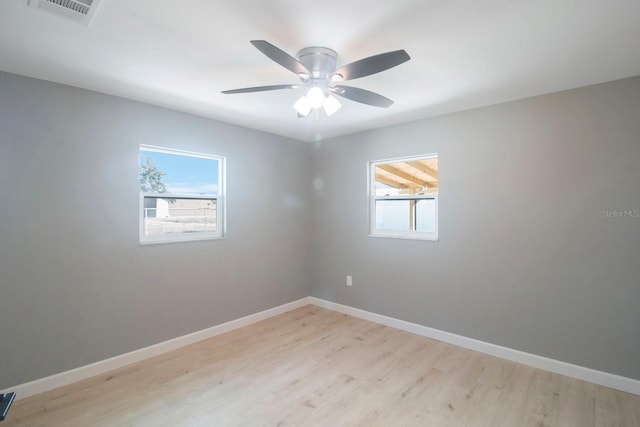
(315, 367)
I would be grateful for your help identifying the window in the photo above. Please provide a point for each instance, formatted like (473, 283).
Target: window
(403, 197)
(181, 195)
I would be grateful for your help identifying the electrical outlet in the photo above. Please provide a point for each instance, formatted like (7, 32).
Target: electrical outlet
(349, 281)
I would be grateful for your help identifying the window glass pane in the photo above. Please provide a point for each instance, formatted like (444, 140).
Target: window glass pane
(174, 173)
(411, 176)
(179, 216)
(426, 215)
(393, 215)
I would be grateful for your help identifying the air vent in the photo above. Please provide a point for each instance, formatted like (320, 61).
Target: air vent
(78, 10)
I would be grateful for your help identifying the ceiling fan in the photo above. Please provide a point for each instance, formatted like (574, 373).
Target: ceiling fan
(316, 68)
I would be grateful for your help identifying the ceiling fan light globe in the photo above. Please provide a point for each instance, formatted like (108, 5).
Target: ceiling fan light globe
(331, 105)
(315, 97)
(302, 106)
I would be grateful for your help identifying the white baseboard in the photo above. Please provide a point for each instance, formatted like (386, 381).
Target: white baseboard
(103, 366)
(579, 372)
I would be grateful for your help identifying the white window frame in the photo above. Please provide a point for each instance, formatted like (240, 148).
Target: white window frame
(220, 200)
(373, 198)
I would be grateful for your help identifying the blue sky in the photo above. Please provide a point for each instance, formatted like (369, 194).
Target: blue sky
(186, 174)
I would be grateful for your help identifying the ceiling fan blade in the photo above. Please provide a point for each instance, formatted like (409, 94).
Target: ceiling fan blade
(362, 95)
(281, 57)
(260, 89)
(372, 64)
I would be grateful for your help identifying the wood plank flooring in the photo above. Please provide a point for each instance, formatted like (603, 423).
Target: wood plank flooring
(315, 367)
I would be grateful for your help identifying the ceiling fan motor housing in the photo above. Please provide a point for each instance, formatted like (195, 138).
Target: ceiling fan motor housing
(321, 61)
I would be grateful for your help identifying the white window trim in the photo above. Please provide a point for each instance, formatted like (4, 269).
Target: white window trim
(396, 234)
(220, 201)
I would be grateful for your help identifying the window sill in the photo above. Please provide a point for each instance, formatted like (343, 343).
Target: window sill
(182, 240)
(407, 236)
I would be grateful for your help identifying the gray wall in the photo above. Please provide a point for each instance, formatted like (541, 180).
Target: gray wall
(525, 258)
(75, 285)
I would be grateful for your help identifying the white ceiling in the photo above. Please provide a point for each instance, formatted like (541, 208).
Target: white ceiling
(464, 53)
